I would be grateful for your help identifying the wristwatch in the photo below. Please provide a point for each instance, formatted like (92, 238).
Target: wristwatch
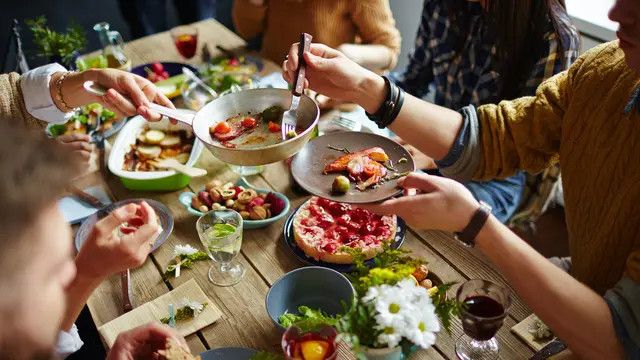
(479, 218)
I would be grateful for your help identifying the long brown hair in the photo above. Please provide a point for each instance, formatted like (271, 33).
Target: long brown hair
(519, 28)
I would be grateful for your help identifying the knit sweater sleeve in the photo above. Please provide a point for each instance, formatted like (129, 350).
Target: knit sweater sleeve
(525, 133)
(12, 107)
(249, 19)
(376, 25)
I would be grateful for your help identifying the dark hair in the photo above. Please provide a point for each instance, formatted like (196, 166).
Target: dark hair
(35, 172)
(519, 28)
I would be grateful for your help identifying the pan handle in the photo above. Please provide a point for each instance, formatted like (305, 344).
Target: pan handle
(181, 116)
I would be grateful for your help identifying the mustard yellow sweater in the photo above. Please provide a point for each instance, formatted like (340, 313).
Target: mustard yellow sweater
(331, 22)
(577, 117)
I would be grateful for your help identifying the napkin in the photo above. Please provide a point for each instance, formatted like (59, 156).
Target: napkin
(521, 329)
(75, 210)
(159, 308)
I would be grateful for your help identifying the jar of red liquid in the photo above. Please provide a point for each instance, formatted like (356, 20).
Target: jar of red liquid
(319, 344)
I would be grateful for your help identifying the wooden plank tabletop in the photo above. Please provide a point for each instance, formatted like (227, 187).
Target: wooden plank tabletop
(264, 255)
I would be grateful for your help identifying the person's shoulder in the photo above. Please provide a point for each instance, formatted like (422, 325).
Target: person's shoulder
(600, 61)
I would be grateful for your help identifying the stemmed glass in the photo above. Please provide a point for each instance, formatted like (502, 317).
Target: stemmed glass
(185, 38)
(484, 308)
(221, 234)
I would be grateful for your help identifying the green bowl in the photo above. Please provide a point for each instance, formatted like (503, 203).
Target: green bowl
(170, 183)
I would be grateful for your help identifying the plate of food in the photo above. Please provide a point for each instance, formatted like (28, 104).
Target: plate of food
(165, 220)
(321, 232)
(223, 74)
(85, 119)
(167, 76)
(258, 207)
(141, 143)
(352, 167)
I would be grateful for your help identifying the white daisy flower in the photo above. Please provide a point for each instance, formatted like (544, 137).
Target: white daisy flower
(422, 327)
(184, 250)
(389, 337)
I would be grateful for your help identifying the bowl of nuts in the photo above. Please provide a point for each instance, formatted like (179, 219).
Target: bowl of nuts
(258, 207)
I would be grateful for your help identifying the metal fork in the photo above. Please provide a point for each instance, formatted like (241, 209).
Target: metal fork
(345, 122)
(289, 118)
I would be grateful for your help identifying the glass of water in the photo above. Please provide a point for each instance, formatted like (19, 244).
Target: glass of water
(221, 234)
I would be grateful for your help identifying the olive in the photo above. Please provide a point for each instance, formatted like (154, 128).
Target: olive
(341, 185)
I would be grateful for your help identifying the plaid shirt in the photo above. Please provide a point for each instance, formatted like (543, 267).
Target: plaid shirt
(471, 76)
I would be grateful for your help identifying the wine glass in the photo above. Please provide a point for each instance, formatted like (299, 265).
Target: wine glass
(483, 311)
(185, 38)
(322, 341)
(220, 232)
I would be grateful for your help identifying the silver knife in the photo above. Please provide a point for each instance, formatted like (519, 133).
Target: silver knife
(555, 347)
(127, 294)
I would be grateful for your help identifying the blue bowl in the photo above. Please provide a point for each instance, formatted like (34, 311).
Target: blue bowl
(185, 200)
(317, 287)
(172, 68)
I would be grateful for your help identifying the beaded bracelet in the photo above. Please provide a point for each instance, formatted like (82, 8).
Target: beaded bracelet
(65, 107)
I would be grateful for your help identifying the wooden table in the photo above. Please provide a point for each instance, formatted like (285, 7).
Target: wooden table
(264, 255)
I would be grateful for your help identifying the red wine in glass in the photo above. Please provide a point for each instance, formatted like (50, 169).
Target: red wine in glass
(483, 311)
(186, 40)
(481, 307)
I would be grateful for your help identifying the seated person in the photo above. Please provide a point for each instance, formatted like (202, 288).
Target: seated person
(587, 116)
(42, 286)
(33, 98)
(364, 30)
(474, 53)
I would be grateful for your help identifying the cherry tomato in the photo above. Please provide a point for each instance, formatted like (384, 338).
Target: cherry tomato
(234, 62)
(157, 68)
(273, 127)
(249, 122)
(222, 128)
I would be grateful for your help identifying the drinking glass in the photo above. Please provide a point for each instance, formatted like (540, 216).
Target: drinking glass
(220, 232)
(484, 308)
(294, 338)
(185, 38)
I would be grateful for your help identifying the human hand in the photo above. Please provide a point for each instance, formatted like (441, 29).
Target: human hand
(106, 252)
(421, 160)
(127, 95)
(330, 73)
(77, 143)
(143, 342)
(439, 204)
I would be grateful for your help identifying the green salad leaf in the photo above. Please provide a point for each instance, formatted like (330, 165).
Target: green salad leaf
(307, 319)
(57, 130)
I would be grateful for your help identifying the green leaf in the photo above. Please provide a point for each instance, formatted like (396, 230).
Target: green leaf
(57, 130)
(307, 319)
(220, 230)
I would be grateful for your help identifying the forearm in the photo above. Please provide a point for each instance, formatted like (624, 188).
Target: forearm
(77, 295)
(576, 313)
(432, 129)
(371, 56)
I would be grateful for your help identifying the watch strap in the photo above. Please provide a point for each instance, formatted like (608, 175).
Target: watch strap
(470, 232)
